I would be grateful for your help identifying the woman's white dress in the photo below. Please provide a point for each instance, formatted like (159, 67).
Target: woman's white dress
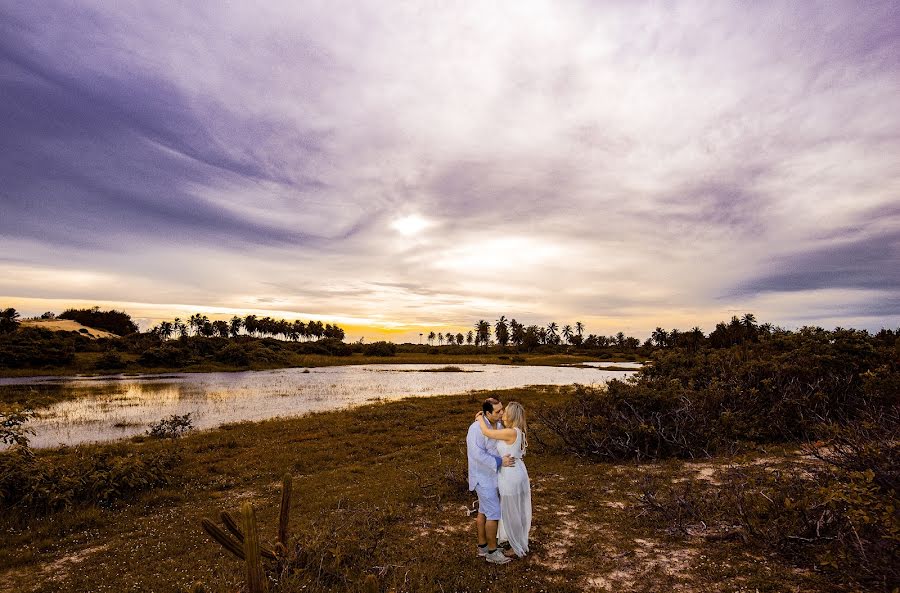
(515, 498)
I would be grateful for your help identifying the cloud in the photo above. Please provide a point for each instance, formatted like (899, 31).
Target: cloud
(586, 160)
(869, 263)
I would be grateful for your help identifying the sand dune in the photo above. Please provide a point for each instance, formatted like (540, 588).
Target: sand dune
(67, 325)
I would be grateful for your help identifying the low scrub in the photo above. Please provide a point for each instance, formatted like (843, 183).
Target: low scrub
(173, 427)
(380, 349)
(34, 347)
(694, 403)
(167, 355)
(37, 483)
(836, 511)
(110, 361)
(633, 421)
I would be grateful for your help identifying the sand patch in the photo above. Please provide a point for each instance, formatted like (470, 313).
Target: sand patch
(67, 325)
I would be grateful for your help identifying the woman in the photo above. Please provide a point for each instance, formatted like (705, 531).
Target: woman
(513, 483)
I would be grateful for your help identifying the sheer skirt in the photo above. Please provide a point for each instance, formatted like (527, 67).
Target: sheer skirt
(515, 507)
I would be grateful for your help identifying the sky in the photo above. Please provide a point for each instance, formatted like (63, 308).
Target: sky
(406, 167)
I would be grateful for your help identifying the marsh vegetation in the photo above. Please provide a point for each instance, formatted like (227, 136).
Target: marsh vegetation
(755, 459)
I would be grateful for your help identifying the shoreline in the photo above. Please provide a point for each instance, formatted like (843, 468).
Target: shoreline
(304, 361)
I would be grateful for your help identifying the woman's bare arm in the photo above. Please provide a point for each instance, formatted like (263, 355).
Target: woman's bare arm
(507, 435)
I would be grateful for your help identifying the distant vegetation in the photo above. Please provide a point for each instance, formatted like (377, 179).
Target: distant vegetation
(116, 322)
(9, 320)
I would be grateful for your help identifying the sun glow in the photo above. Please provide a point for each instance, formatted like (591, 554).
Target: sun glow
(410, 225)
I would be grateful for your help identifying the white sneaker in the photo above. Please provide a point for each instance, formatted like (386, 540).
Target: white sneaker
(482, 551)
(497, 557)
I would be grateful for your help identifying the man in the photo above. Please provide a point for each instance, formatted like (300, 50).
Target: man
(484, 463)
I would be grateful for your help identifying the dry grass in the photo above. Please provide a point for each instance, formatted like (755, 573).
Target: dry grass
(381, 490)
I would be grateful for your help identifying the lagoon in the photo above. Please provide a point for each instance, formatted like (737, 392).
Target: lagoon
(118, 406)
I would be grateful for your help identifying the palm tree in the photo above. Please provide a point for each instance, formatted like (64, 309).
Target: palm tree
(567, 333)
(469, 337)
(482, 333)
(517, 332)
(440, 339)
(579, 328)
(501, 331)
(749, 320)
(180, 327)
(431, 337)
(659, 337)
(250, 324)
(674, 337)
(552, 329)
(459, 339)
(9, 320)
(221, 327)
(234, 326)
(195, 321)
(165, 330)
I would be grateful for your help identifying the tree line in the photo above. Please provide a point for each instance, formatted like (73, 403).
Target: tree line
(737, 331)
(509, 332)
(200, 325)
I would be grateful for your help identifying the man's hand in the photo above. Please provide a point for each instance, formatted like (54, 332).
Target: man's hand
(509, 461)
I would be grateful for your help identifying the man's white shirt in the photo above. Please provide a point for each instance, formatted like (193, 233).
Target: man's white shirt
(483, 455)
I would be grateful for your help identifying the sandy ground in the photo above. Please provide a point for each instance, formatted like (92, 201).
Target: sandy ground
(67, 325)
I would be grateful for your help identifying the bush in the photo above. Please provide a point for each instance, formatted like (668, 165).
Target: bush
(688, 403)
(634, 421)
(35, 347)
(13, 429)
(234, 354)
(380, 349)
(110, 360)
(167, 355)
(117, 322)
(324, 347)
(172, 427)
(35, 484)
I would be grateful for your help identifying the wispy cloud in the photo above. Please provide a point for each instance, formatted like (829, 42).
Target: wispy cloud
(611, 162)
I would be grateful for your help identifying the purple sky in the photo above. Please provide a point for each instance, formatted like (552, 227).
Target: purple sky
(419, 166)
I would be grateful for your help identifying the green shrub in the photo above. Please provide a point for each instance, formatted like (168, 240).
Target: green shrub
(13, 426)
(110, 360)
(117, 322)
(380, 349)
(634, 421)
(35, 347)
(234, 354)
(167, 355)
(36, 483)
(688, 403)
(172, 427)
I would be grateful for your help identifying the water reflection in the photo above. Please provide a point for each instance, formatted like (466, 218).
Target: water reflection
(106, 408)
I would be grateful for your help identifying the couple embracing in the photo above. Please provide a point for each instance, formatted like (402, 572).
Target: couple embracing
(496, 444)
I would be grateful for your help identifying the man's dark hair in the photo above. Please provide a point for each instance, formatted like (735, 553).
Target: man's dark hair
(488, 406)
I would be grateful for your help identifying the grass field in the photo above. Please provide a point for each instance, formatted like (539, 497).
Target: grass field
(381, 490)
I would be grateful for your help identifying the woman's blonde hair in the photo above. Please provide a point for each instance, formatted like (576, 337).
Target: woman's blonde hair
(514, 417)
